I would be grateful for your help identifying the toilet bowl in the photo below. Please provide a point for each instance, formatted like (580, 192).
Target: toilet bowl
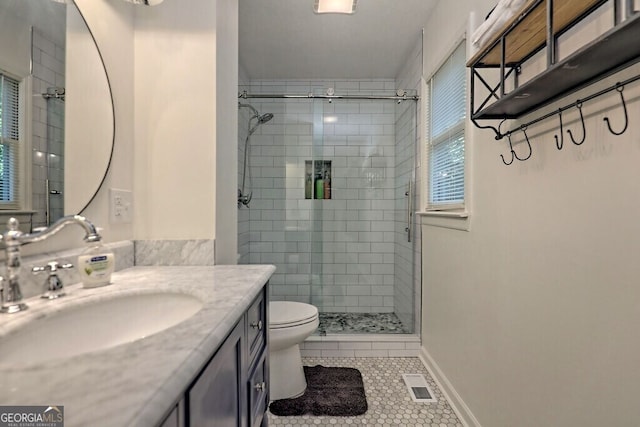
(290, 323)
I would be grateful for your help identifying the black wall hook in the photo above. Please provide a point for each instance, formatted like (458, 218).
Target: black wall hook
(584, 132)
(559, 142)
(619, 88)
(524, 131)
(513, 154)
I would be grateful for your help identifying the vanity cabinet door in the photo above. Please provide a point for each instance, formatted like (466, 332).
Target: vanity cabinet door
(217, 398)
(257, 327)
(258, 391)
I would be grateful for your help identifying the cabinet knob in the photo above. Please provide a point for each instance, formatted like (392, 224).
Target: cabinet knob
(257, 325)
(260, 386)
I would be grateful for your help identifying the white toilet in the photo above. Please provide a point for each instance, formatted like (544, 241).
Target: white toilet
(290, 323)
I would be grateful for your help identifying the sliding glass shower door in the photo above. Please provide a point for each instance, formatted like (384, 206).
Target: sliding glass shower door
(362, 259)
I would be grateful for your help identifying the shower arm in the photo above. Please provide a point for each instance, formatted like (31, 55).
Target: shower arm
(251, 107)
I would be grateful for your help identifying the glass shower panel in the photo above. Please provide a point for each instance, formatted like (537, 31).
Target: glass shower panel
(315, 180)
(54, 184)
(407, 234)
(358, 234)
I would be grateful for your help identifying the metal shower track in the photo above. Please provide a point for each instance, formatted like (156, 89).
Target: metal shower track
(398, 98)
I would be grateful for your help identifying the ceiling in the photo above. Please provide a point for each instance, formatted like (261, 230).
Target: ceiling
(284, 39)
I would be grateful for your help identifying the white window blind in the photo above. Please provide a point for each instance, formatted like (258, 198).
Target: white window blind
(447, 111)
(9, 140)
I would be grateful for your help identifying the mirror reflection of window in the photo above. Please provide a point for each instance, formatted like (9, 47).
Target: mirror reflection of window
(32, 66)
(9, 142)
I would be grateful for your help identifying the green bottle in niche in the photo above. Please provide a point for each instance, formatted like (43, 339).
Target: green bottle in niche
(319, 187)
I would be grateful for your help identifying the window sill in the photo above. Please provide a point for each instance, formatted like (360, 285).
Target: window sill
(454, 220)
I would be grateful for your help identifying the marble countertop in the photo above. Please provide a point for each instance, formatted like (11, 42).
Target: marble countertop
(134, 384)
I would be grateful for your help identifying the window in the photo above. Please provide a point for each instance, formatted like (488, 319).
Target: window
(446, 126)
(9, 142)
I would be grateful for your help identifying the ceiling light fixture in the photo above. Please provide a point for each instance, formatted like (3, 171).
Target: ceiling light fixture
(335, 6)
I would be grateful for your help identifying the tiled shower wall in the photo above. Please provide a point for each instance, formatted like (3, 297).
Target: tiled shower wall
(48, 124)
(338, 254)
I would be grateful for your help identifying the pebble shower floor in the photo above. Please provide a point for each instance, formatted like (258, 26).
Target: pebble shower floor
(387, 397)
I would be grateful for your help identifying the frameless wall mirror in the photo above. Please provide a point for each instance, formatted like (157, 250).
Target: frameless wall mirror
(60, 148)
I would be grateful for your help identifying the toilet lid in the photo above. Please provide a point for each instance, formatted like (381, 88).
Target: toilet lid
(282, 313)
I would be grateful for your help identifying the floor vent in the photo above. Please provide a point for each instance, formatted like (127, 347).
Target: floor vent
(418, 388)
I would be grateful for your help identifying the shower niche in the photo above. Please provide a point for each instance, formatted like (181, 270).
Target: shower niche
(317, 179)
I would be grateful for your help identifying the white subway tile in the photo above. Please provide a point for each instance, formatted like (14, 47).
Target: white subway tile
(385, 345)
(338, 353)
(404, 353)
(371, 353)
(310, 353)
(354, 345)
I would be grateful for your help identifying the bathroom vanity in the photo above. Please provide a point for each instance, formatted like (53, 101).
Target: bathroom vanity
(210, 368)
(232, 388)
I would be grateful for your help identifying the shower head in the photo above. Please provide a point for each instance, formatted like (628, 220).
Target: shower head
(265, 118)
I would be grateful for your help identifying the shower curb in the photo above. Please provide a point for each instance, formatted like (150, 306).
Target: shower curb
(361, 345)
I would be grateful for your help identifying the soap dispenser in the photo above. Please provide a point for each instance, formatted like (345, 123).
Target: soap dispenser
(95, 265)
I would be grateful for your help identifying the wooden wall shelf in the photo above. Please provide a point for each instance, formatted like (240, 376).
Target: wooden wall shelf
(527, 33)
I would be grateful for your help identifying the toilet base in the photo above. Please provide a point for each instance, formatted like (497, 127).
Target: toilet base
(286, 376)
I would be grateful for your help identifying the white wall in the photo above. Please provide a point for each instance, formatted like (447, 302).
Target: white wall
(530, 315)
(112, 26)
(162, 65)
(89, 132)
(175, 121)
(227, 135)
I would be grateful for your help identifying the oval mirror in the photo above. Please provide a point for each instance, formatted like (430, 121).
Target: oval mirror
(66, 116)
(89, 120)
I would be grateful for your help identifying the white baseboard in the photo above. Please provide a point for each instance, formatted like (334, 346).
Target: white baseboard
(461, 409)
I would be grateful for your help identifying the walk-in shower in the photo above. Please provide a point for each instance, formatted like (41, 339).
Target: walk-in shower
(257, 119)
(331, 201)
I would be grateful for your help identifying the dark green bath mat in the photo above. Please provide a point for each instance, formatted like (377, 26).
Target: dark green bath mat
(330, 391)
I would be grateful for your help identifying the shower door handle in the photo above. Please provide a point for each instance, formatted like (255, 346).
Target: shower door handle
(409, 194)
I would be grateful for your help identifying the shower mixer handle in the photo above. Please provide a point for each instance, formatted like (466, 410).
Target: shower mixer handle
(244, 199)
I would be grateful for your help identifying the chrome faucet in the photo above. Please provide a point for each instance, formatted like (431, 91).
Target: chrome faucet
(13, 239)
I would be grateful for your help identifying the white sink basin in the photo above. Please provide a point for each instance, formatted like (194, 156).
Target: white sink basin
(94, 326)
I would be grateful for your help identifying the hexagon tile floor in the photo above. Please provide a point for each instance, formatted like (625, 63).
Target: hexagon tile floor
(387, 396)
